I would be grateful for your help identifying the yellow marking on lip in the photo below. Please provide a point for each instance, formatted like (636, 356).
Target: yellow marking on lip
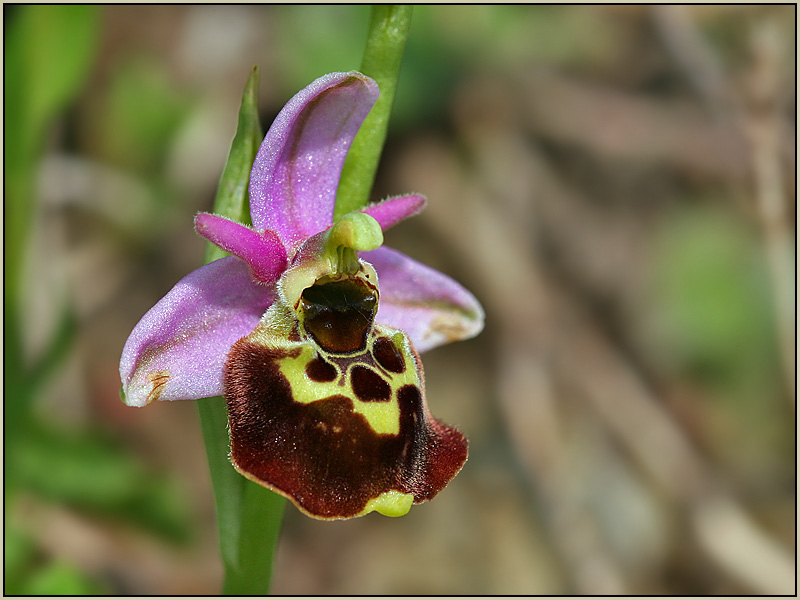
(304, 389)
(383, 417)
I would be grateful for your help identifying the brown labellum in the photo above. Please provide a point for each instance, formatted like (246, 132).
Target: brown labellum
(332, 414)
(323, 455)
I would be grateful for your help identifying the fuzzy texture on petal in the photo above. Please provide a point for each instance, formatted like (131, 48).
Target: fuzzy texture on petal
(296, 171)
(429, 306)
(391, 211)
(178, 349)
(262, 251)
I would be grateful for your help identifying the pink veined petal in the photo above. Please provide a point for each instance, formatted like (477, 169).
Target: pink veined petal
(391, 211)
(296, 171)
(429, 306)
(262, 251)
(178, 349)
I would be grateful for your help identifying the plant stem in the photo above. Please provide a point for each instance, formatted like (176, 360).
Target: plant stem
(248, 516)
(383, 54)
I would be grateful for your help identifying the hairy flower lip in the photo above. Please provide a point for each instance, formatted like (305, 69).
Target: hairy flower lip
(335, 418)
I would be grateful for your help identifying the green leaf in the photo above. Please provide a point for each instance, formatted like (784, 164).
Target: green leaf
(386, 40)
(60, 579)
(228, 485)
(48, 54)
(92, 473)
(18, 552)
(143, 108)
(261, 518)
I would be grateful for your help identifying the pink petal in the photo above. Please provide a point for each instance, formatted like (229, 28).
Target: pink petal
(296, 172)
(262, 251)
(429, 306)
(178, 349)
(391, 211)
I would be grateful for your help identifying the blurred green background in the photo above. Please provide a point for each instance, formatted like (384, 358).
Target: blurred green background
(616, 186)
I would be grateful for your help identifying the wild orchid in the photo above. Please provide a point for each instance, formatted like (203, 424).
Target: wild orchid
(311, 329)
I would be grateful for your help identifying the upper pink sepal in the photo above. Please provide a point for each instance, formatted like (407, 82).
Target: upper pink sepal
(296, 171)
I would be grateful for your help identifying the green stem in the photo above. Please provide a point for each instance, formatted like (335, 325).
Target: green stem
(248, 516)
(383, 54)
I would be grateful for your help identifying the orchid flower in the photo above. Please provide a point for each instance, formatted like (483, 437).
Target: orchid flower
(311, 329)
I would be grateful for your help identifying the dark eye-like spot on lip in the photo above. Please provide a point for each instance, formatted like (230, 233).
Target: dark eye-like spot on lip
(339, 314)
(320, 370)
(388, 356)
(369, 386)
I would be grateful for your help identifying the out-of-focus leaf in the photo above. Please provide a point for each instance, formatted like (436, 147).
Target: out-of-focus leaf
(18, 551)
(60, 579)
(90, 473)
(713, 296)
(60, 344)
(26, 575)
(142, 112)
(48, 52)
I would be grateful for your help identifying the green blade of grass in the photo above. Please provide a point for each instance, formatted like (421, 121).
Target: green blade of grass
(383, 54)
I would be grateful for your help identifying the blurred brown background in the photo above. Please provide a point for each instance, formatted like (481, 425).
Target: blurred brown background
(615, 184)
